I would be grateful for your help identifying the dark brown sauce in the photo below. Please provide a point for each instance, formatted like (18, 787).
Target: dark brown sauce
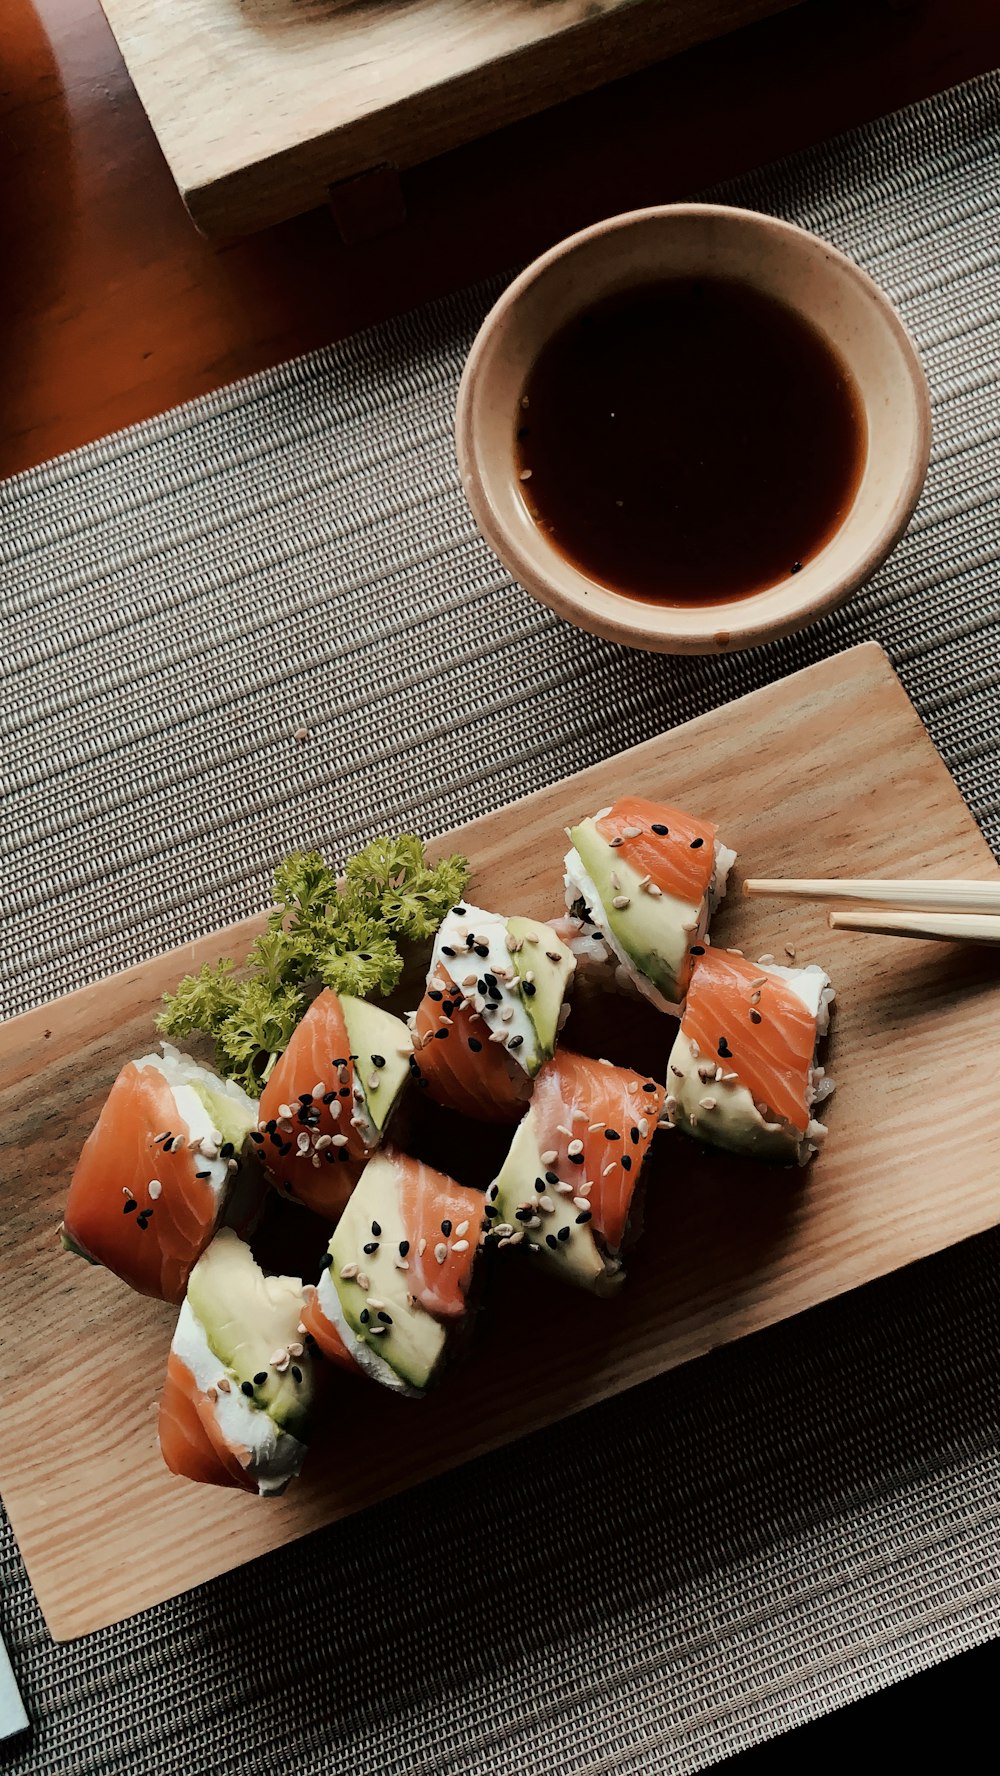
(689, 441)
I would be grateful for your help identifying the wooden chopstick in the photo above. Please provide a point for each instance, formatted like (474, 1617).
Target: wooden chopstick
(981, 928)
(910, 896)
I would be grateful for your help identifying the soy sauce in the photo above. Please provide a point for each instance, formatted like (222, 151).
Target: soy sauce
(689, 441)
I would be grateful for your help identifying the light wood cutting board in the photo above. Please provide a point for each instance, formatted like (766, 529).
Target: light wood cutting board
(829, 772)
(261, 105)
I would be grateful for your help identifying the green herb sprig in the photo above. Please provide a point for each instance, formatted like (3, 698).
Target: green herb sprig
(345, 937)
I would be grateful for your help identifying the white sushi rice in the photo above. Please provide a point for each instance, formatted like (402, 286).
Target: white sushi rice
(277, 1456)
(691, 921)
(367, 1359)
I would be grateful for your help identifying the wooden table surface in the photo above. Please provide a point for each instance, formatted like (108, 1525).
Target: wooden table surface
(113, 308)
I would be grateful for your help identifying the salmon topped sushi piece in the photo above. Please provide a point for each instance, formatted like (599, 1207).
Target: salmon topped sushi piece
(239, 1385)
(395, 1284)
(329, 1099)
(151, 1185)
(743, 1073)
(647, 878)
(567, 1189)
(493, 1007)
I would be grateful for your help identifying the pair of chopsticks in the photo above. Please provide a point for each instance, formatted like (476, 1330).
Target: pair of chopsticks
(955, 911)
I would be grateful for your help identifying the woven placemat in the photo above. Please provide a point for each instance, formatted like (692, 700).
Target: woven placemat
(731, 1549)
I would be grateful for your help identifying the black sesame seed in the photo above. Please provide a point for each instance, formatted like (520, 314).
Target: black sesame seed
(203, 1174)
(475, 1044)
(696, 843)
(446, 1228)
(296, 1371)
(755, 1017)
(385, 1318)
(634, 1133)
(370, 1247)
(584, 1215)
(305, 1097)
(660, 830)
(523, 1214)
(328, 1097)
(404, 1246)
(441, 1034)
(626, 1162)
(540, 1184)
(285, 1148)
(344, 1092)
(563, 1234)
(256, 1136)
(515, 1042)
(481, 949)
(648, 1086)
(326, 1261)
(725, 1052)
(491, 1210)
(129, 1206)
(528, 988)
(376, 1229)
(365, 1316)
(576, 1159)
(342, 1151)
(446, 950)
(271, 1126)
(460, 910)
(612, 1135)
(490, 979)
(260, 1378)
(697, 950)
(550, 1240)
(246, 1387)
(435, 993)
(552, 1177)
(378, 1060)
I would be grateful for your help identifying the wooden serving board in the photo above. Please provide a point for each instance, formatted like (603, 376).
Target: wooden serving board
(829, 772)
(261, 105)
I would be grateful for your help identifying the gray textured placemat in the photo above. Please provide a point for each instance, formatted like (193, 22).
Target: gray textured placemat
(735, 1548)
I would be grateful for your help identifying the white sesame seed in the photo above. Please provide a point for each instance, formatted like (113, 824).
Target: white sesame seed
(322, 1142)
(614, 843)
(154, 1187)
(578, 1115)
(594, 1128)
(608, 1169)
(507, 1014)
(421, 1247)
(319, 1090)
(535, 1221)
(364, 1281)
(373, 1301)
(460, 1245)
(789, 951)
(631, 832)
(707, 1103)
(580, 1202)
(621, 901)
(546, 1204)
(302, 1142)
(525, 475)
(462, 1229)
(295, 1350)
(614, 879)
(574, 1148)
(531, 937)
(301, 735)
(561, 1129)
(585, 1188)
(643, 1127)
(339, 1140)
(212, 1393)
(277, 1357)
(402, 1264)
(763, 961)
(562, 1188)
(348, 1272)
(224, 1385)
(503, 1229)
(284, 1110)
(654, 891)
(376, 1331)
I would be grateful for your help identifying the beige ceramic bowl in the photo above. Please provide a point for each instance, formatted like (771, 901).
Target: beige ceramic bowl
(697, 239)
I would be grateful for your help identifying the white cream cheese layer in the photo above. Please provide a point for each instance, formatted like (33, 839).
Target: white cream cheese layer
(277, 1455)
(367, 1359)
(464, 968)
(184, 1076)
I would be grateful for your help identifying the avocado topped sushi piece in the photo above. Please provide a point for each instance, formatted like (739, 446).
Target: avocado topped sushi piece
(743, 1073)
(330, 1098)
(495, 1002)
(648, 878)
(567, 1189)
(154, 1177)
(393, 1292)
(239, 1391)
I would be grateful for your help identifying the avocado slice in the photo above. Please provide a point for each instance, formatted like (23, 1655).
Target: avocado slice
(381, 1068)
(521, 1185)
(550, 963)
(246, 1318)
(228, 1114)
(655, 932)
(413, 1344)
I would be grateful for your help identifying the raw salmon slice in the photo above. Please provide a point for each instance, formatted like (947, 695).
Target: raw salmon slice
(752, 1023)
(594, 1124)
(462, 1069)
(676, 850)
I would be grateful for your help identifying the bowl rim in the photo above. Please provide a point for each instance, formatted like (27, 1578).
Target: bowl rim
(725, 626)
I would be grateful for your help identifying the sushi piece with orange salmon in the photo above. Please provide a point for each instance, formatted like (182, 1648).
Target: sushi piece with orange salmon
(495, 1001)
(568, 1188)
(239, 1387)
(394, 1293)
(152, 1183)
(743, 1073)
(329, 1099)
(646, 878)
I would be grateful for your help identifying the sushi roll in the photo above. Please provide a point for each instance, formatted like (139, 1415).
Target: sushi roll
(743, 1072)
(647, 878)
(239, 1387)
(567, 1189)
(152, 1182)
(393, 1294)
(491, 1013)
(329, 1098)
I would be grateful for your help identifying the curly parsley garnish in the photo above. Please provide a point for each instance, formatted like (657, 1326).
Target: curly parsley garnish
(347, 938)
